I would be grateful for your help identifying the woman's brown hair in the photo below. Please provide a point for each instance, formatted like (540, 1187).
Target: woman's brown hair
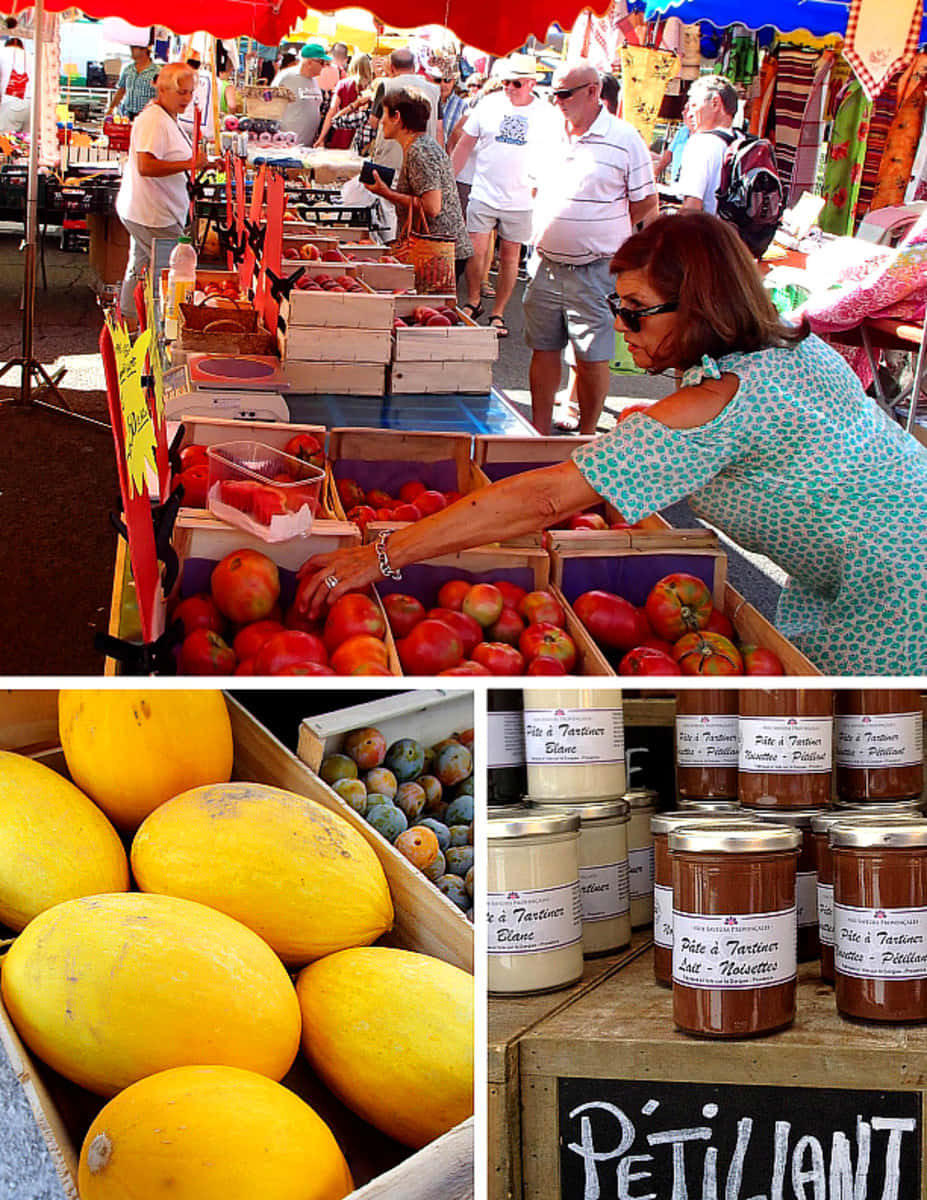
(699, 262)
(412, 108)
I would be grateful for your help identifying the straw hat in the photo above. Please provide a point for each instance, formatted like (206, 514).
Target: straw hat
(518, 66)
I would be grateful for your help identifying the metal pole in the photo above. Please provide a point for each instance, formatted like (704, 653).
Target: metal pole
(32, 209)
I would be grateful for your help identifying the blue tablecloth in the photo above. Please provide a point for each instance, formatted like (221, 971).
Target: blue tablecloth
(457, 413)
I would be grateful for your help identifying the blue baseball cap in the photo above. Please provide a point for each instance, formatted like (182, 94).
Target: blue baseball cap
(315, 50)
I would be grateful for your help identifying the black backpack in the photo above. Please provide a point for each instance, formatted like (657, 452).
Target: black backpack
(750, 190)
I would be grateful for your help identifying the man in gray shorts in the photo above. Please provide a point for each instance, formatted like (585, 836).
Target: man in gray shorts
(594, 185)
(504, 131)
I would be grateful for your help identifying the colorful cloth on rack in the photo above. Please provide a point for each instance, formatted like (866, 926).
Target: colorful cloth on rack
(644, 75)
(845, 155)
(883, 110)
(810, 135)
(903, 136)
(741, 57)
(881, 39)
(759, 112)
(793, 88)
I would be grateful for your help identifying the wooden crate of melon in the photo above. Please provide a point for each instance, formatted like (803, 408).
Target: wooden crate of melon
(177, 1017)
(666, 609)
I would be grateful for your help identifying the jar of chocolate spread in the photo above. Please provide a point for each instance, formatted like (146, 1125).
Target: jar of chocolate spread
(660, 825)
(806, 878)
(880, 919)
(786, 748)
(734, 928)
(706, 744)
(642, 803)
(879, 734)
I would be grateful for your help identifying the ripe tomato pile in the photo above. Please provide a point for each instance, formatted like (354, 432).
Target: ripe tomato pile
(238, 627)
(413, 501)
(481, 629)
(678, 631)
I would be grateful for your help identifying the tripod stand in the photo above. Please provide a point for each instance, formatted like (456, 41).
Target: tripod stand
(31, 369)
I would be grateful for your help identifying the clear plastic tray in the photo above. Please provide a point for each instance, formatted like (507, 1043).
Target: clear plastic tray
(263, 490)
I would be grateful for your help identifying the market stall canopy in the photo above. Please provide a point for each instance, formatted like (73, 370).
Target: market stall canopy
(819, 17)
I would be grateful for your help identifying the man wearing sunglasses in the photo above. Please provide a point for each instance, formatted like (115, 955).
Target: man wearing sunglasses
(503, 132)
(593, 187)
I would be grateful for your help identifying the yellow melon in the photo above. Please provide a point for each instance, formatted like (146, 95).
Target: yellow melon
(55, 844)
(132, 750)
(210, 1133)
(391, 1033)
(112, 988)
(284, 865)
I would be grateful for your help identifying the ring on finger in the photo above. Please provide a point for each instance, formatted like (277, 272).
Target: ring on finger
(331, 581)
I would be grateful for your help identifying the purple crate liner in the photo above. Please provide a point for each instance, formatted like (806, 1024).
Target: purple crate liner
(195, 575)
(631, 575)
(440, 475)
(425, 580)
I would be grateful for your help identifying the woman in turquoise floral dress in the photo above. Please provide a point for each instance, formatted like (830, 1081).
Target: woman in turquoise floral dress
(771, 438)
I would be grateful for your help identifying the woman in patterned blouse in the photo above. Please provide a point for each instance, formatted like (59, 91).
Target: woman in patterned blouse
(770, 436)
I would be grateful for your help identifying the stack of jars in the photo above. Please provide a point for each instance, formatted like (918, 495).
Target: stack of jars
(738, 899)
(570, 868)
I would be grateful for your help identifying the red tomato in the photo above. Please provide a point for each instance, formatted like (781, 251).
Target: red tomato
(550, 641)
(266, 503)
(656, 643)
(512, 594)
(613, 621)
(359, 651)
(384, 514)
(195, 481)
(193, 455)
(245, 585)
(362, 515)
(350, 492)
(469, 631)
(410, 489)
(509, 627)
(372, 668)
(588, 521)
(204, 653)
(545, 664)
(306, 446)
(199, 612)
(403, 613)
(645, 660)
(287, 648)
(430, 648)
(542, 606)
(378, 498)
(294, 619)
(467, 667)
(500, 658)
(352, 614)
(305, 668)
(430, 502)
(252, 637)
(760, 661)
(484, 603)
(406, 512)
(451, 497)
(707, 654)
(245, 667)
(678, 604)
(238, 493)
(451, 594)
(719, 623)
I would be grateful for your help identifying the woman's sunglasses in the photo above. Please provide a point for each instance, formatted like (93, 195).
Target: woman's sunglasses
(632, 316)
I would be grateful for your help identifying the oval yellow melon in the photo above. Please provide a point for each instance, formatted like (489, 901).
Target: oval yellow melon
(210, 1133)
(112, 988)
(282, 864)
(132, 750)
(55, 844)
(391, 1033)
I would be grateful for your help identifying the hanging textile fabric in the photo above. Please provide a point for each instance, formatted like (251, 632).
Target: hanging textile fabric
(741, 57)
(761, 108)
(844, 168)
(793, 88)
(883, 111)
(901, 145)
(881, 39)
(691, 54)
(644, 76)
(810, 134)
(598, 38)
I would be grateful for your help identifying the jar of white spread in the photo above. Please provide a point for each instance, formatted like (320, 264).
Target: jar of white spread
(574, 742)
(642, 802)
(534, 903)
(603, 870)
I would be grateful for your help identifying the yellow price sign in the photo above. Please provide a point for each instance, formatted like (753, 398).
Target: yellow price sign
(138, 428)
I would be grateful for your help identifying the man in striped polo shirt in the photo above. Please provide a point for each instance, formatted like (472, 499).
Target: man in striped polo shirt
(592, 190)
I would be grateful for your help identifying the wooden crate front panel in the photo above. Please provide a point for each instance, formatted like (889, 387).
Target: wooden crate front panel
(326, 378)
(579, 566)
(332, 345)
(464, 342)
(338, 310)
(385, 276)
(441, 378)
(623, 1031)
(501, 456)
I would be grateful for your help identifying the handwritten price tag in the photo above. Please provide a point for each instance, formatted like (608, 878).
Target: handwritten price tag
(138, 428)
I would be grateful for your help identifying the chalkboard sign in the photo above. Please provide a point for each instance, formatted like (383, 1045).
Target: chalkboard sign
(634, 1140)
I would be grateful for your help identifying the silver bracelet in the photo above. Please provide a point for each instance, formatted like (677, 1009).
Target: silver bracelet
(383, 562)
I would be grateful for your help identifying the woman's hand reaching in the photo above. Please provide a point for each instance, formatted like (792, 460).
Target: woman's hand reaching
(324, 578)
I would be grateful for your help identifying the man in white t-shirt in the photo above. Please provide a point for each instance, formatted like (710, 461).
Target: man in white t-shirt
(505, 133)
(402, 76)
(153, 201)
(712, 104)
(304, 115)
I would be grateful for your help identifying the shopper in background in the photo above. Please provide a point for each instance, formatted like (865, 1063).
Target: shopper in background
(304, 115)
(15, 87)
(401, 75)
(228, 97)
(610, 93)
(453, 106)
(153, 201)
(136, 87)
(712, 104)
(358, 79)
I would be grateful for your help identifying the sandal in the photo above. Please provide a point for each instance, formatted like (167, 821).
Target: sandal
(487, 290)
(472, 310)
(498, 323)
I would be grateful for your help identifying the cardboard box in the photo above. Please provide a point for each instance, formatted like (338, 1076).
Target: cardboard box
(109, 246)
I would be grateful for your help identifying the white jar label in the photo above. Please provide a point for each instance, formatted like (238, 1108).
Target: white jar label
(605, 891)
(882, 740)
(826, 913)
(574, 735)
(880, 943)
(662, 916)
(640, 865)
(526, 922)
(806, 897)
(506, 746)
(786, 745)
(734, 951)
(706, 741)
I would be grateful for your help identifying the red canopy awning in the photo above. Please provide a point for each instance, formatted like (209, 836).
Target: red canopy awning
(499, 28)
